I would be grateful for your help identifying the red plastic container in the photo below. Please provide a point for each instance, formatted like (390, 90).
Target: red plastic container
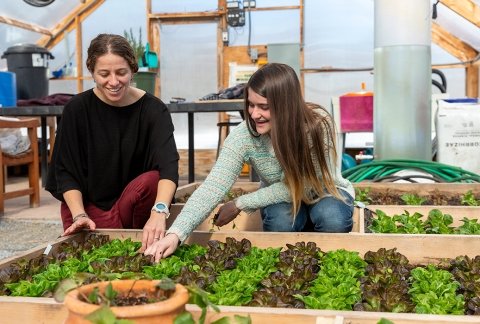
(356, 111)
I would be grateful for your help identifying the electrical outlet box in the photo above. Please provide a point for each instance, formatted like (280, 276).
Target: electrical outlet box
(236, 17)
(253, 54)
(233, 4)
(249, 4)
(225, 36)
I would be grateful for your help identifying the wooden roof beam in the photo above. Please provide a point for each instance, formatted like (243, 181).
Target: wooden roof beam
(185, 15)
(452, 44)
(69, 22)
(25, 25)
(209, 14)
(468, 9)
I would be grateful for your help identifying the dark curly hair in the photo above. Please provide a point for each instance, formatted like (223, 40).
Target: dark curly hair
(110, 43)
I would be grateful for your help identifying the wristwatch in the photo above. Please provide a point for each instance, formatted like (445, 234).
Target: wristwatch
(161, 207)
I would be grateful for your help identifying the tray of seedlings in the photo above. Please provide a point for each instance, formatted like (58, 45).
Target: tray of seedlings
(432, 209)
(280, 277)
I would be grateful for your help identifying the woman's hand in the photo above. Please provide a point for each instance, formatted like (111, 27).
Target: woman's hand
(153, 230)
(226, 214)
(164, 247)
(79, 224)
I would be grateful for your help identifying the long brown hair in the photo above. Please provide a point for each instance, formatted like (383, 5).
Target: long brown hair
(110, 43)
(300, 136)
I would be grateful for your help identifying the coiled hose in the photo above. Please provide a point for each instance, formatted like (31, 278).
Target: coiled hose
(377, 171)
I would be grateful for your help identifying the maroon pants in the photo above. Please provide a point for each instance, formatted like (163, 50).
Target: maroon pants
(131, 210)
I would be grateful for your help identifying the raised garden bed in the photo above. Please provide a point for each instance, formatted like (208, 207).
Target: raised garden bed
(464, 219)
(460, 201)
(419, 249)
(433, 194)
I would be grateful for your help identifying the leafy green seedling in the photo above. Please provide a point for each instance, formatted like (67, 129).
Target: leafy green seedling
(363, 195)
(468, 199)
(412, 199)
(469, 227)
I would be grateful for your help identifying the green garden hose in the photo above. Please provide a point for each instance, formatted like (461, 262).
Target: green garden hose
(384, 170)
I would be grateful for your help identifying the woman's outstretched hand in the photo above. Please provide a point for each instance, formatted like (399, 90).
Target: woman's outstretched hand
(163, 247)
(226, 214)
(79, 224)
(154, 230)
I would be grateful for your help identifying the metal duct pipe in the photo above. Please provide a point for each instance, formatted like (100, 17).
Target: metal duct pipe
(402, 80)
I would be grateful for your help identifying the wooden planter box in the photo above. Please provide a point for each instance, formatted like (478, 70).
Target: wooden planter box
(419, 249)
(243, 222)
(457, 212)
(421, 189)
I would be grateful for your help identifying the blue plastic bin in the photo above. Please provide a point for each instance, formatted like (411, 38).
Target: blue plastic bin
(8, 89)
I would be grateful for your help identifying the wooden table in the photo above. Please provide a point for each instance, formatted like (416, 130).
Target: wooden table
(185, 107)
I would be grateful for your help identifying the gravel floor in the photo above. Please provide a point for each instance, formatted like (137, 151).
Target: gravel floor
(17, 236)
(23, 228)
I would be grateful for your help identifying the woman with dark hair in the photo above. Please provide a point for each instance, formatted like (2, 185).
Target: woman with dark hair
(115, 155)
(291, 146)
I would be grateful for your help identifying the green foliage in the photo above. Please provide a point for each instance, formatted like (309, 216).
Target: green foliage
(438, 222)
(302, 276)
(383, 223)
(136, 43)
(469, 227)
(236, 286)
(469, 199)
(434, 291)
(363, 195)
(412, 199)
(337, 285)
(170, 267)
(409, 224)
(104, 315)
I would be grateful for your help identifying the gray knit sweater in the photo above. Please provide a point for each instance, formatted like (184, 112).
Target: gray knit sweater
(240, 147)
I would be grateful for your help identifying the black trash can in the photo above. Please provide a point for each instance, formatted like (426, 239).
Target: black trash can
(30, 64)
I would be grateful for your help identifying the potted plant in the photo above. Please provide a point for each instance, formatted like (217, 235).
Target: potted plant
(124, 301)
(136, 43)
(143, 79)
(135, 302)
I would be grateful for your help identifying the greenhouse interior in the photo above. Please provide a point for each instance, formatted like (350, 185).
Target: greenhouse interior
(239, 161)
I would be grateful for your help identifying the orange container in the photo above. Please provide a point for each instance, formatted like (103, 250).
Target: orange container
(356, 111)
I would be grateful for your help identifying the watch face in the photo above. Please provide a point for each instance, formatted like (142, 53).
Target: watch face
(161, 206)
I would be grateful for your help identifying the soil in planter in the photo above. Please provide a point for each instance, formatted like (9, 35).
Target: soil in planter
(393, 197)
(163, 291)
(232, 194)
(143, 299)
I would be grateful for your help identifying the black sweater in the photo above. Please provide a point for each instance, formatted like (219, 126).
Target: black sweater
(100, 148)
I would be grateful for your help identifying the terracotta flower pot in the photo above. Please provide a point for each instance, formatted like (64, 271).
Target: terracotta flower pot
(159, 312)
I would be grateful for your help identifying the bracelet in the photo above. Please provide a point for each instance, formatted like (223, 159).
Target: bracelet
(80, 216)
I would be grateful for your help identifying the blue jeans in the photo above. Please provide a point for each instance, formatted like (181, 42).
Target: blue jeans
(327, 215)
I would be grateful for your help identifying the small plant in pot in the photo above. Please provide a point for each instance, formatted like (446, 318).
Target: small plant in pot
(123, 301)
(134, 302)
(136, 43)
